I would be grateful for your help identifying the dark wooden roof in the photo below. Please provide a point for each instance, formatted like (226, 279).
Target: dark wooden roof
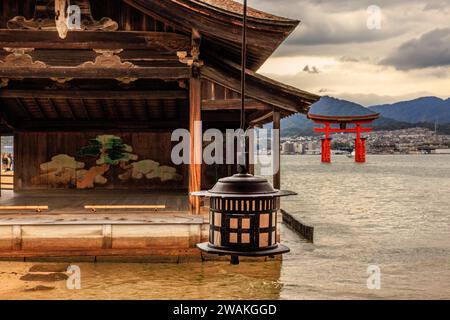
(84, 79)
(332, 109)
(235, 7)
(220, 23)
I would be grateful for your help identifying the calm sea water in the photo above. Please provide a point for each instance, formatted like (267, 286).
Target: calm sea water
(393, 212)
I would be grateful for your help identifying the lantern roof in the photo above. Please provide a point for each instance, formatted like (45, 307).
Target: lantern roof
(332, 109)
(243, 186)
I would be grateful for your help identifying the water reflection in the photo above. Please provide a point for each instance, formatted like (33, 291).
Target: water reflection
(209, 280)
(392, 212)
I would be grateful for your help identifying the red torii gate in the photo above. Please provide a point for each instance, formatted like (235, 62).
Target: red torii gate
(360, 142)
(329, 111)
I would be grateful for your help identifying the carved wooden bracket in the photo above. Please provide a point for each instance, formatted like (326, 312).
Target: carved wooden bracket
(53, 15)
(110, 59)
(19, 57)
(193, 60)
(61, 80)
(4, 82)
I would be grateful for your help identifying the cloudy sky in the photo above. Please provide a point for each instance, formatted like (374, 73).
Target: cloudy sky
(342, 49)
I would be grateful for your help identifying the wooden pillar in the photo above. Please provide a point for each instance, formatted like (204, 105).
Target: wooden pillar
(195, 166)
(276, 158)
(195, 129)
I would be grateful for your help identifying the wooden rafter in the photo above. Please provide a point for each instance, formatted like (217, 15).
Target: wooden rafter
(85, 109)
(39, 106)
(260, 116)
(92, 94)
(69, 108)
(24, 108)
(55, 107)
(261, 88)
(105, 111)
(147, 113)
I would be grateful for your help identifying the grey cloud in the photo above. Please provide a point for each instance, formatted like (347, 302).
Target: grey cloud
(348, 59)
(430, 50)
(311, 69)
(437, 5)
(331, 22)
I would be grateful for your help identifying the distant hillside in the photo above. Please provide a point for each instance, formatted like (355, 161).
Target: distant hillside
(422, 110)
(300, 125)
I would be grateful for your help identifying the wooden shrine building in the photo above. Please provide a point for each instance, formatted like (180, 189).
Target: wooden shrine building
(93, 106)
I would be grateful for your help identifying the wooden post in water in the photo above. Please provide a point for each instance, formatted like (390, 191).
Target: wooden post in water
(276, 158)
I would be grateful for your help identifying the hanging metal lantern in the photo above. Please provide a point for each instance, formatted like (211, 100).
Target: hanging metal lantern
(243, 208)
(243, 217)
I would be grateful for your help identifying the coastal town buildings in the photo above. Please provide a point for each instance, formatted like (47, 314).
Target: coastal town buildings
(404, 141)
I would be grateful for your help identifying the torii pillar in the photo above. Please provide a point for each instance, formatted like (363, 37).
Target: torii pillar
(360, 146)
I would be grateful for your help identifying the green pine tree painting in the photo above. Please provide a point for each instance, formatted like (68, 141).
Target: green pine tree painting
(109, 149)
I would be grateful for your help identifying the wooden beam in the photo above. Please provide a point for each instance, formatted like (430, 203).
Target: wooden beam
(91, 94)
(75, 57)
(125, 40)
(83, 124)
(209, 116)
(164, 73)
(276, 158)
(259, 116)
(233, 104)
(195, 145)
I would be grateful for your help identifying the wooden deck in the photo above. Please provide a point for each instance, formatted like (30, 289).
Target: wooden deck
(74, 201)
(67, 229)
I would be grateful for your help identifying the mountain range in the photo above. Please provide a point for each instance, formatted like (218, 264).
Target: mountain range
(426, 109)
(421, 112)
